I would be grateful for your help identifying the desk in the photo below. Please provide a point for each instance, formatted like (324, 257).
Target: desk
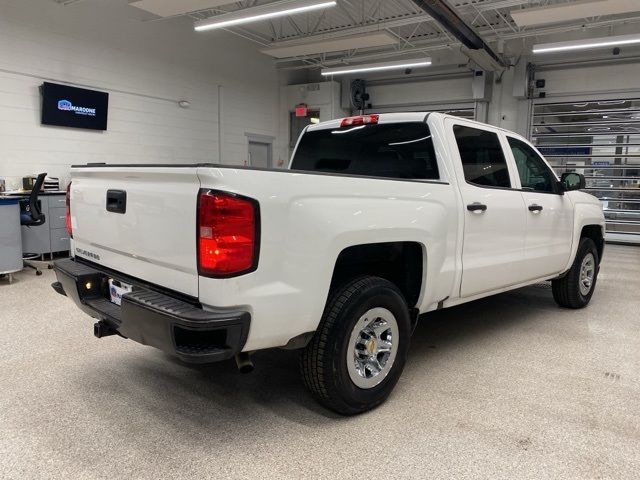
(52, 236)
(10, 236)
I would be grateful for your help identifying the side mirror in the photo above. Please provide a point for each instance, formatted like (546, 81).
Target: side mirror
(573, 181)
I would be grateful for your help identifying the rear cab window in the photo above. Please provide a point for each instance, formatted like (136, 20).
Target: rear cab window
(392, 150)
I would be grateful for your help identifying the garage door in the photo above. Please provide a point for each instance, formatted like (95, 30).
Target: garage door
(600, 139)
(464, 110)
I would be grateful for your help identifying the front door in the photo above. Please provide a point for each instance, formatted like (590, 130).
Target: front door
(494, 213)
(549, 213)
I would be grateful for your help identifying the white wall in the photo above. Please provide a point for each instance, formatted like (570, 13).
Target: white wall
(322, 96)
(504, 109)
(428, 91)
(591, 79)
(146, 66)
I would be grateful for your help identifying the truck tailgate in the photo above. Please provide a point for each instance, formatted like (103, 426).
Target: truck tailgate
(153, 237)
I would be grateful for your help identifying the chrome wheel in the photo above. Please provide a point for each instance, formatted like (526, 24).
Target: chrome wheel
(587, 273)
(372, 347)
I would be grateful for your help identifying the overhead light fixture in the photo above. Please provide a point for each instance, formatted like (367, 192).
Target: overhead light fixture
(587, 44)
(262, 12)
(566, 12)
(378, 67)
(323, 44)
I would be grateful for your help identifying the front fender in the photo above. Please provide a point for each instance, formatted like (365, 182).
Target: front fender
(587, 211)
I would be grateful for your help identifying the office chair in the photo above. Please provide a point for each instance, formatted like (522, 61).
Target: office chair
(32, 216)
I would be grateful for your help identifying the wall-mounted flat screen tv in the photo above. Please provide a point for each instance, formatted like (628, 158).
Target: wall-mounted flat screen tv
(67, 106)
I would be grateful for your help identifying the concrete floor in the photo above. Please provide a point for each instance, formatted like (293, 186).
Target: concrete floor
(506, 387)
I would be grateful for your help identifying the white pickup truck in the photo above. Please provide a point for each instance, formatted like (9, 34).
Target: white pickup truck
(379, 218)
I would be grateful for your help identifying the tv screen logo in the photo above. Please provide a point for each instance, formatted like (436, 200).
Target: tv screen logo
(66, 105)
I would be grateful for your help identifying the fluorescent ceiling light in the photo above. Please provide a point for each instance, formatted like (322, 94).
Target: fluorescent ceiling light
(566, 12)
(323, 44)
(262, 12)
(586, 44)
(378, 67)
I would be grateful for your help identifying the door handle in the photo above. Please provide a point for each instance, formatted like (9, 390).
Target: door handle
(116, 201)
(535, 208)
(476, 207)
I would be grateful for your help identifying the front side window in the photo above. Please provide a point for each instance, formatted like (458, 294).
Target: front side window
(482, 157)
(533, 171)
(394, 150)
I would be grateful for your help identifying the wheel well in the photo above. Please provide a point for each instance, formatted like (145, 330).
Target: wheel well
(398, 262)
(594, 232)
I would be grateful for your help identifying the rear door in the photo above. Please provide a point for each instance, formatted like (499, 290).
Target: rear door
(139, 220)
(549, 213)
(494, 213)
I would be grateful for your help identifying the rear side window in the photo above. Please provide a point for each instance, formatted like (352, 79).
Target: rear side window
(398, 150)
(482, 157)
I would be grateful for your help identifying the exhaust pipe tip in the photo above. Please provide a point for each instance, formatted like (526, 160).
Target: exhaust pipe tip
(244, 363)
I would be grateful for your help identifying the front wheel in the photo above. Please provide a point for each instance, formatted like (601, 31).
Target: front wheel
(359, 350)
(575, 289)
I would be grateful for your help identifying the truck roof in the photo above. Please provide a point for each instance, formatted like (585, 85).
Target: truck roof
(398, 118)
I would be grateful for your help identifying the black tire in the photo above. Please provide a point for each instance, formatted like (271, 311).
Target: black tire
(566, 290)
(323, 363)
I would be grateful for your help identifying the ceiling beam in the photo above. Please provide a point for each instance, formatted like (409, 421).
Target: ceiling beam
(430, 45)
(475, 46)
(367, 27)
(396, 23)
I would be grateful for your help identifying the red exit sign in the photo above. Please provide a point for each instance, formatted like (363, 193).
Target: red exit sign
(301, 111)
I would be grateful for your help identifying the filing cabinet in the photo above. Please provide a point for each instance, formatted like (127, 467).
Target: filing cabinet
(52, 236)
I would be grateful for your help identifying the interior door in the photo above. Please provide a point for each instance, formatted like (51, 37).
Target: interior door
(549, 212)
(259, 154)
(494, 216)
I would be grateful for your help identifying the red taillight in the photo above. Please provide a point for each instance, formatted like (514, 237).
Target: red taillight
(360, 120)
(67, 218)
(227, 234)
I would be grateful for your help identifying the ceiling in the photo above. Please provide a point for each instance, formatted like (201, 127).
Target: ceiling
(389, 29)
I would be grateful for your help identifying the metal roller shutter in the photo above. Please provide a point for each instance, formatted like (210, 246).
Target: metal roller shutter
(600, 139)
(463, 110)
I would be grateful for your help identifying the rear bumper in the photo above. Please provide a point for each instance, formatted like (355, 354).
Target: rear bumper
(153, 318)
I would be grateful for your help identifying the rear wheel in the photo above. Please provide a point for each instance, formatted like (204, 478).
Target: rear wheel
(359, 350)
(575, 289)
